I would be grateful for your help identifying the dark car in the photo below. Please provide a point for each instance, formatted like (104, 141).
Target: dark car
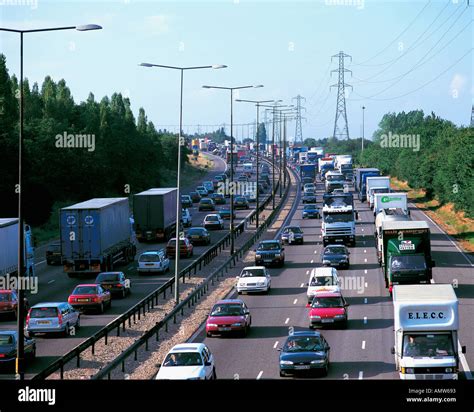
(186, 201)
(241, 202)
(218, 198)
(185, 248)
(269, 252)
(309, 197)
(304, 352)
(199, 235)
(53, 254)
(292, 234)
(195, 197)
(115, 282)
(306, 180)
(311, 211)
(335, 255)
(206, 204)
(9, 302)
(8, 344)
(225, 213)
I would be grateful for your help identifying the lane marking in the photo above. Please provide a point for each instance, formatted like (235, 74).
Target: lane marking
(365, 250)
(260, 375)
(363, 344)
(302, 285)
(294, 302)
(365, 320)
(315, 251)
(365, 271)
(287, 320)
(365, 260)
(312, 261)
(365, 300)
(361, 375)
(307, 272)
(362, 230)
(51, 281)
(365, 284)
(275, 345)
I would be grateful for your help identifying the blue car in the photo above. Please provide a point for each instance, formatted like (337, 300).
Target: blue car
(311, 211)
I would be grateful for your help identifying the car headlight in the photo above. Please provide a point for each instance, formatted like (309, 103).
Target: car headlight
(318, 361)
(261, 284)
(315, 317)
(237, 324)
(325, 261)
(449, 370)
(277, 255)
(286, 362)
(410, 370)
(212, 325)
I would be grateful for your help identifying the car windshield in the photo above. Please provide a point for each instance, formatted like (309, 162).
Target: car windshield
(212, 218)
(335, 302)
(309, 193)
(322, 281)
(428, 345)
(310, 207)
(227, 310)
(293, 230)
(338, 217)
(149, 257)
(303, 344)
(196, 232)
(6, 340)
(408, 263)
(54, 248)
(269, 246)
(337, 250)
(183, 359)
(85, 290)
(206, 201)
(5, 297)
(249, 273)
(44, 313)
(107, 277)
(193, 193)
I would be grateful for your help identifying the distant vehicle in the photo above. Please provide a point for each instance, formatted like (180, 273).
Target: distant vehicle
(53, 254)
(195, 197)
(52, 317)
(250, 196)
(311, 211)
(328, 308)
(243, 178)
(213, 221)
(304, 351)
(209, 186)
(199, 235)
(218, 198)
(229, 316)
(185, 248)
(224, 212)
(240, 202)
(309, 187)
(322, 279)
(270, 252)
(153, 261)
(8, 345)
(186, 201)
(90, 296)
(336, 255)
(186, 218)
(202, 191)
(292, 234)
(309, 197)
(206, 204)
(9, 302)
(115, 282)
(254, 279)
(190, 361)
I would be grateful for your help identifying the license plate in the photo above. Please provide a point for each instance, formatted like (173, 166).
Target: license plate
(338, 240)
(268, 261)
(302, 367)
(83, 300)
(44, 322)
(107, 286)
(224, 329)
(148, 264)
(195, 237)
(327, 320)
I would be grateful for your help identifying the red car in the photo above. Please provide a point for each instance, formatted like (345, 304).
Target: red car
(9, 302)
(90, 296)
(185, 248)
(230, 315)
(327, 308)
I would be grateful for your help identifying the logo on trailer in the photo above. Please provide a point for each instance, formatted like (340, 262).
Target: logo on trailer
(89, 220)
(406, 245)
(386, 199)
(70, 220)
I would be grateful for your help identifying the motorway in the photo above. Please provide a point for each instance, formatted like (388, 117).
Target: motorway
(362, 351)
(54, 285)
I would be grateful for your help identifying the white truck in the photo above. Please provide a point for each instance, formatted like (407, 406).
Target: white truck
(390, 201)
(302, 157)
(334, 180)
(426, 324)
(376, 184)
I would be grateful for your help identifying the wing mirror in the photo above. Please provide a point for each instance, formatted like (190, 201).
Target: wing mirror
(158, 365)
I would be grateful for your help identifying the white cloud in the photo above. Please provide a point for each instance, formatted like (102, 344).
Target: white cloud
(157, 25)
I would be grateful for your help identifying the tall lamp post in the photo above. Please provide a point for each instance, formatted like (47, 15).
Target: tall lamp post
(287, 116)
(281, 113)
(231, 89)
(178, 177)
(20, 352)
(363, 126)
(257, 105)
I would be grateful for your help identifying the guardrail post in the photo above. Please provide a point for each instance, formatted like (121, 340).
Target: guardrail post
(123, 366)
(78, 360)
(93, 348)
(146, 344)
(136, 355)
(166, 326)
(118, 330)
(182, 311)
(174, 318)
(106, 336)
(61, 372)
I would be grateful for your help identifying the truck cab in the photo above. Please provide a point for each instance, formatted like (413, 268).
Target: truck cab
(334, 180)
(360, 181)
(338, 219)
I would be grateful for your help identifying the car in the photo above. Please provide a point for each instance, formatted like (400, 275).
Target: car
(224, 213)
(153, 261)
(309, 187)
(270, 252)
(186, 218)
(311, 211)
(209, 186)
(115, 282)
(292, 234)
(52, 317)
(336, 255)
(9, 302)
(185, 248)
(90, 296)
(322, 279)
(309, 197)
(199, 235)
(304, 352)
(240, 202)
(243, 179)
(229, 316)
(53, 254)
(328, 308)
(218, 198)
(8, 345)
(215, 183)
(206, 204)
(251, 196)
(190, 361)
(186, 201)
(254, 279)
(202, 191)
(195, 197)
(213, 221)
(306, 180)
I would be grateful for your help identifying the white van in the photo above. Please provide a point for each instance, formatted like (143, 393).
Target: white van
(322, 279)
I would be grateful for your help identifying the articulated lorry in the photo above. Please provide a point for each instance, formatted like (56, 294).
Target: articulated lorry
(387, 215)
(334, 180)
(361, 175)
(95, 235)
(338, 219)
(324, 165)
(426, 321)
(343, 164)
(390, 201)
(406, 253)
(307, 173)
(9, 248)
(376, 184)
(154, 211)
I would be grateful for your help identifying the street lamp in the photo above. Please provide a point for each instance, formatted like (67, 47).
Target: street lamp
(20, 352)
(287, 116)
(363, 126)
(180, 143)
(231, 89)
(281, 112)
(257, 105)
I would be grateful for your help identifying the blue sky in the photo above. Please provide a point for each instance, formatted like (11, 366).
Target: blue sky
(285, 45)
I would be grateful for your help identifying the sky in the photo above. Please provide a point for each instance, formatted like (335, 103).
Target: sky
(405, 55)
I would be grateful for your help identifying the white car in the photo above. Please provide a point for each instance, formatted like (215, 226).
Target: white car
(192, 361)
(309, 187)
(153, 261)
(254, 279)
(213, 221)
(322, 279)
(186, 218)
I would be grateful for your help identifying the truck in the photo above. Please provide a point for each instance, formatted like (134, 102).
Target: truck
(307, 173)
(154, 211)
(385, 215)
(302, 157)
(325, 161)
(334, 180)
(95, 235)
(376, 184)
(202, 144)
(343, 164)
(390, 201)
(234, 156)
(360, 177)
(9, 248)
(338, 219)
(426, 323)
(406, 253)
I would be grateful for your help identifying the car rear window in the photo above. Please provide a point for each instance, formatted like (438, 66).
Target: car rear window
(5, 297)
(149, 258)
(196, 232)
(85, 290)
(54, 248)
(6, 340)
(206, 201)
(45, 312)
(212, 218)
(106, 277)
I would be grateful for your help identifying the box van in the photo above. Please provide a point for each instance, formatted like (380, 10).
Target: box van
(322, 279)
(52, 317)
(248, 168)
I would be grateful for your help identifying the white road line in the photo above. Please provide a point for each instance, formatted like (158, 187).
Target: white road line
(365, 300)
(287, 320)
(365, 319)
(362, 230)
(363, 344)
(361, 375)
(39, 263)
(307, 272)
(260, 375)
(294, 302)
(315, 251)
(365, 271)
(275, 345)
(365, 250)
(51, 281)
(312, 261)
(302, 285)
(365, 284)
(365, 260)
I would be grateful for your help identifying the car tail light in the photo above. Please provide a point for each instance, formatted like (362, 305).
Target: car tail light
(60, 319)
(2, 355)
(118, 285)
(28, 318)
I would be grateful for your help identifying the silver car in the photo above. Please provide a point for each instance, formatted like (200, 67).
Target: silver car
(52, 317)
